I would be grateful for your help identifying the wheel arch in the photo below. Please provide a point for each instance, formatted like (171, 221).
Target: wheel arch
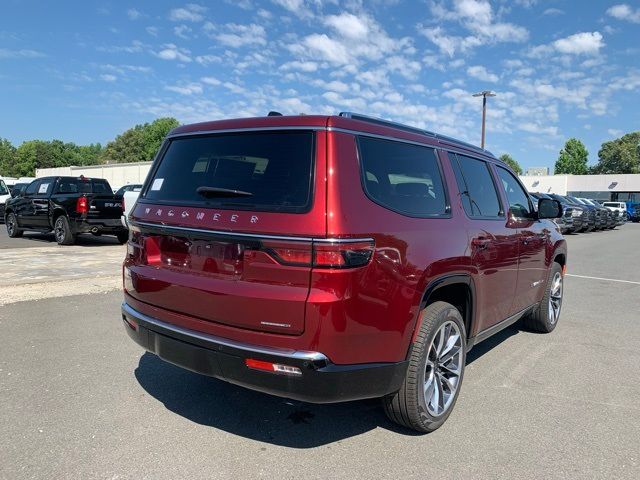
(457, 289)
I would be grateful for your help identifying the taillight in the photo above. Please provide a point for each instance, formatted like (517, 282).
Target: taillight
(82, 205)
(123, 204)
(272, 367)
(321, 254)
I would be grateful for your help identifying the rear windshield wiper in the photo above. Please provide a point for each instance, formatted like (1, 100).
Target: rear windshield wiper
(210, 192)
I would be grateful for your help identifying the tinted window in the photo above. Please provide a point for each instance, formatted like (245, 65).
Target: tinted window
(519, 204)
(3, 188)
(274, 168)
(402, 177)
(69, 185)
(32, 188)
(478, 192)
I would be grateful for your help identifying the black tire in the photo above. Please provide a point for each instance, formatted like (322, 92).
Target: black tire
(123, 237)
(408, 407)
(541, 319)
(11, 222)
(62, 231)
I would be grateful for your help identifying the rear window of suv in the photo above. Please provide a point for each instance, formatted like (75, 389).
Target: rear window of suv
(269, 171)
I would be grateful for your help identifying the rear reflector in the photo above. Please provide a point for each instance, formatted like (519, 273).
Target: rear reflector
(272, 367)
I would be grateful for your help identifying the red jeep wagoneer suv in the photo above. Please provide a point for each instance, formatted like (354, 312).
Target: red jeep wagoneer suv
(334, 258)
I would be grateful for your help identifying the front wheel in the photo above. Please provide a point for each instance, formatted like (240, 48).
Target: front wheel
(62, 231)
(435, 371)
(11, 223)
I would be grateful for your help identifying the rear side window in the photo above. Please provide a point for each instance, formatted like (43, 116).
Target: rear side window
(402, 177)
(478, 191)
(271, 170)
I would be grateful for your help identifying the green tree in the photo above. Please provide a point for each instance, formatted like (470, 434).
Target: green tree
(7, 157)
(138, 144)
(621, 155)
(573, 158)
(509, 160)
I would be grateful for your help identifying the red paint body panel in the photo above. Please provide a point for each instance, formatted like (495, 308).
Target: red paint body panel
(359, 315)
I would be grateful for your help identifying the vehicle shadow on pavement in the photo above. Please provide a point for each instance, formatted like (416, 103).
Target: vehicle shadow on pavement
(266, 418)
(47, 239)
(258, 416)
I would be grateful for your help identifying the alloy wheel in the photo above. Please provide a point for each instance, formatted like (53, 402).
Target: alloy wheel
(443, 369)
(59, 230)
(555, 298)
(11, 225)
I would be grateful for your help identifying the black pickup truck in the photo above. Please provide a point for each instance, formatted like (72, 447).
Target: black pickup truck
(67, 206)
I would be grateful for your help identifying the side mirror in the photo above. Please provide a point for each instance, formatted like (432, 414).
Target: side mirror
(548, 208)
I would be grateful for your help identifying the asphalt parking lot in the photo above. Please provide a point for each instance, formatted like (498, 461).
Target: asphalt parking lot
(80, 400)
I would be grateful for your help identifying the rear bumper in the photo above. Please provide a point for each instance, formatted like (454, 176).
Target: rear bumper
(320, 381)
(102, 225)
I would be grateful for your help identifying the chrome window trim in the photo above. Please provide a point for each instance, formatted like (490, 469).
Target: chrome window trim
(250, 235)
(129, 311)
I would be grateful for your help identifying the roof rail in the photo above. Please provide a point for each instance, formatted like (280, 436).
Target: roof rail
(386, 123)
(400, 126)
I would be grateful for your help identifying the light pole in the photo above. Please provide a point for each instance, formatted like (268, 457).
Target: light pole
(484, 95)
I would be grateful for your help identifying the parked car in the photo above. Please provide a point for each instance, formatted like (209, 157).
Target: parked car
(4, 196)
(593, 220)
(329, 259)
(68, 206)
(634, 213)
(579, 214)
(565, 222)
(605, 216)
(128, 201)
(18, 189)
(619, 207)
(128, 188)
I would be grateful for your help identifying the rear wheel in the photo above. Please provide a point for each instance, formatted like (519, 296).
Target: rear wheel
(12, 226)
(123, 237)
(62, 231)
(435, 371)
(545, 317)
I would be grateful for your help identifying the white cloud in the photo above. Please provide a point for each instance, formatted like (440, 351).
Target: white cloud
(153, 31)
(478, 18)
(584, 43)
(300, 66)
(623, 11)
(243, 35)
(296, 7)
(329, 49)
(539, 129)
(348, 25)
(173, 52)
(233, 87)
(22, 53)
(107, 77)
(182, 31)
(188, 89)
(615, 133)
(210, 81)
(207, 59)
(553, 12)
(134, 14)
(481, 73)
(191, 12)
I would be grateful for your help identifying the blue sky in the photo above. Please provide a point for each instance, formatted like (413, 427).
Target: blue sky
(84, 71)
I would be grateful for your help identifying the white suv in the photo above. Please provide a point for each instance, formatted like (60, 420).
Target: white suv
(619, 207)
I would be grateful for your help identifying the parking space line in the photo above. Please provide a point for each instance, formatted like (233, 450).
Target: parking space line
(604, 279)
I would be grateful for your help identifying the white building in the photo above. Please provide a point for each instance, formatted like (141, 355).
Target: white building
(616, 187)
(117, 174)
